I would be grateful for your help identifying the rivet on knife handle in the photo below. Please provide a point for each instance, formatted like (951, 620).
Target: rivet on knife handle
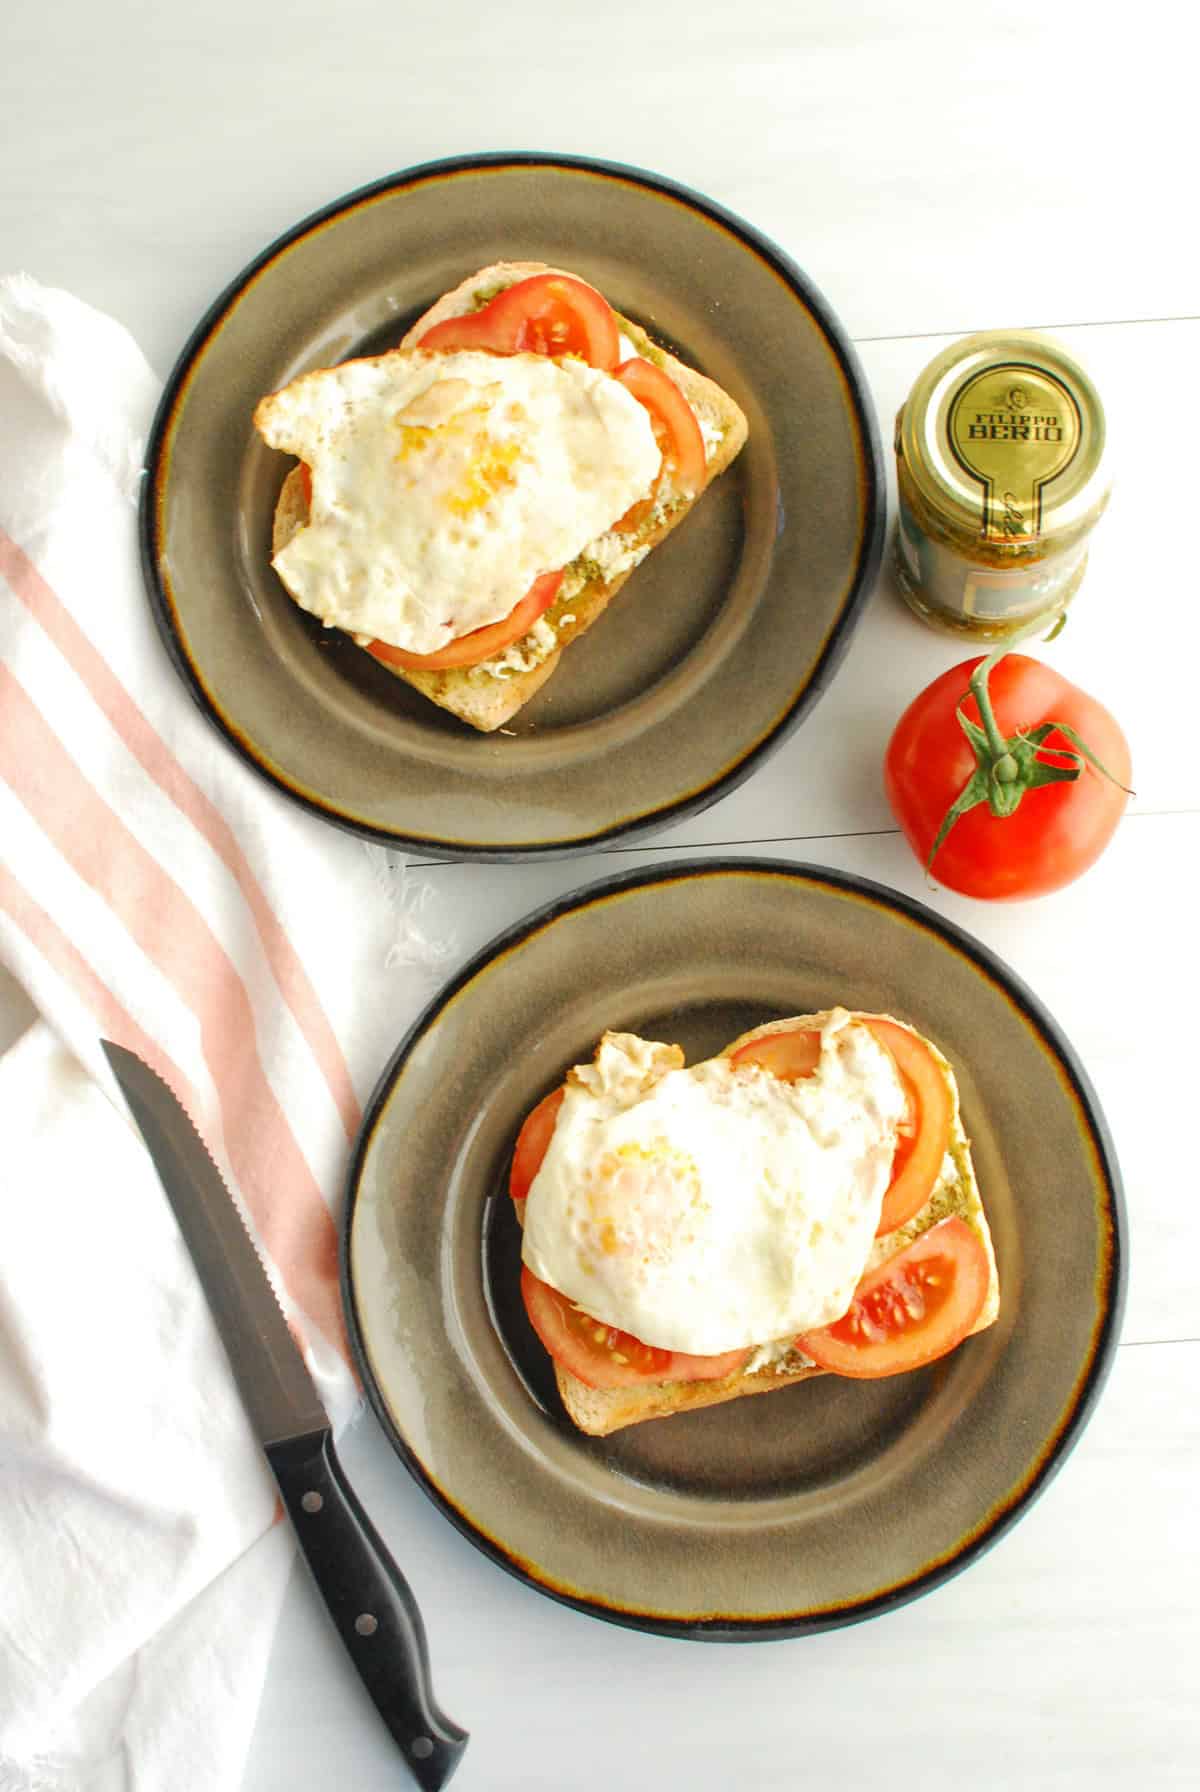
(370, 1603)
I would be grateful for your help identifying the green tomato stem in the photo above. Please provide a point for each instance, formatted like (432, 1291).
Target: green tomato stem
(978, 683)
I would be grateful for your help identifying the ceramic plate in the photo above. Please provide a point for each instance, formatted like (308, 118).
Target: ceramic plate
(813, 1506)
(711, 654)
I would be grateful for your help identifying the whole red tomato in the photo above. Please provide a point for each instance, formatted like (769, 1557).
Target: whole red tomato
(1034, 810)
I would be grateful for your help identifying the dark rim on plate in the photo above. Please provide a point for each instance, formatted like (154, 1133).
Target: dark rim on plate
(870, 472)
(1088, 1386)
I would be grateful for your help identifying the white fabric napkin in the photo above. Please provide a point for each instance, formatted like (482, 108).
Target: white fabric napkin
(154, 891)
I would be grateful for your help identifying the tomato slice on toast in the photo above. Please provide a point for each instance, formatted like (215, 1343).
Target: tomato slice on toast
(603, 1357)
(910, 1310)
(925, 1130)
(787, 1055)
(481, 643)
(680, 443)
(547, 314)
(532, 1142)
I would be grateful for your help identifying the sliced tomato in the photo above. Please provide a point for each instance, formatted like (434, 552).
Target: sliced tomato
(532, 1142)
(924, 1132)
(604, 1357)
(548, 314)
(481, 643)
(910, 1310)
(684, 462)
(787, 1055)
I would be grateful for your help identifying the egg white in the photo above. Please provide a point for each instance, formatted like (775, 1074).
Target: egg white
(443, 485)
(718, 1206)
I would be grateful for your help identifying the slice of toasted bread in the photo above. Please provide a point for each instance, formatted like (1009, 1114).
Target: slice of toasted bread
(599, 1411)
(489, 694)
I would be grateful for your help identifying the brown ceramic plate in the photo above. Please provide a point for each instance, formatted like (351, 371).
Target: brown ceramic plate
(810, 1507)
(712, 653)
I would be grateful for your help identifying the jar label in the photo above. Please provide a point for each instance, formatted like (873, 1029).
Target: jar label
(1013, 429)
(967, 593)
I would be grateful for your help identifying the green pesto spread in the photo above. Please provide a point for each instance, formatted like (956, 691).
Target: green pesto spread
(483, 295)
(647, 349)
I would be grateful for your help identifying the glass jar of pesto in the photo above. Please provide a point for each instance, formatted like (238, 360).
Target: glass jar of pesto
(1002, 475)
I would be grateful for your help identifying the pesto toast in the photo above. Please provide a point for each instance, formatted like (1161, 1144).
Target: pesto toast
(771, 1366)
(488, 694)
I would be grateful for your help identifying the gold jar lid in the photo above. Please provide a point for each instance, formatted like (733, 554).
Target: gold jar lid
(1002, 439)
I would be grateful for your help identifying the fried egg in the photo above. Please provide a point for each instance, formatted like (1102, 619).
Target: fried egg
(443, 485)
(708, 1208)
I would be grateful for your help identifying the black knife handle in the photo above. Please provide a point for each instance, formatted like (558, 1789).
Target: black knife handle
(370, 1602)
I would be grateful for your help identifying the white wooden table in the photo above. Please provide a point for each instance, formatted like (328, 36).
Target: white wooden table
(935, 169)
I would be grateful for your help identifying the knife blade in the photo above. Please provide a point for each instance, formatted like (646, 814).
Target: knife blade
(367, 1596)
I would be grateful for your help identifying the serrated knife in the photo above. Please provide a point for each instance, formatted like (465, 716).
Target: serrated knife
(368, 1598)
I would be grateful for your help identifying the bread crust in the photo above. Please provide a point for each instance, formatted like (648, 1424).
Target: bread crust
(601, 1411)
(488, 695)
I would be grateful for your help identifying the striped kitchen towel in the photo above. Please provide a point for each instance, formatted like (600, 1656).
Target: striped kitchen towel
(154, 891)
